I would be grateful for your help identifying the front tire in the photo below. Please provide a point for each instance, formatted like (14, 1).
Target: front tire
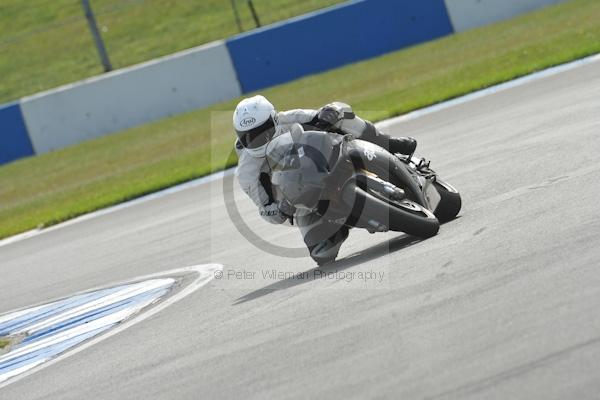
(371, 208)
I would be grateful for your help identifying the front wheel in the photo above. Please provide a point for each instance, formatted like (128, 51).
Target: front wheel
(374, 211)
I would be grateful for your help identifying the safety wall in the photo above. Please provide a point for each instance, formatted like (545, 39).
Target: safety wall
(468, 14)
(327, 39)
(220, 71)
(14, 140)
(122, 99)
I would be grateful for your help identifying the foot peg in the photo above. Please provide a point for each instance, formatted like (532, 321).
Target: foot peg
(423, 164)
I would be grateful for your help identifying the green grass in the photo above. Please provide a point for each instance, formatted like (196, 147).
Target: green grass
(46, 43)
(3, 343)
(60, 185)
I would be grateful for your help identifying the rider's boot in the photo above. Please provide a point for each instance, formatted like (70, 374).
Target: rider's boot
(326, 251)
(402, 145)
(395, 145)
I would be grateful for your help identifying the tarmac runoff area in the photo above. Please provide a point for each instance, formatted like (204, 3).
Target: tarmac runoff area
(502, 303)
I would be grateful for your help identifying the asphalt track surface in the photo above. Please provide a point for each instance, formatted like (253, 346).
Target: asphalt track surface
(503, 303)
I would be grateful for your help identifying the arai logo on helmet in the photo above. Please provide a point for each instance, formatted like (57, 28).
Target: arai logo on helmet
(246, 122)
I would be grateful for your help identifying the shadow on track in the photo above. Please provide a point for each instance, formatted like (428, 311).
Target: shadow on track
(355, 259)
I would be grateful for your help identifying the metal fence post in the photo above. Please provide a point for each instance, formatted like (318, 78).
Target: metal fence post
(89, 15)
(237, 16)
(254, 14)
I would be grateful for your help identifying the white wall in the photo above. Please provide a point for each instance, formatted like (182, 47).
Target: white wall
(132, 96)
(467, 14)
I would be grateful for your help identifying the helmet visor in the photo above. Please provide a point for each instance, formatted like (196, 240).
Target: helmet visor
(257, 137)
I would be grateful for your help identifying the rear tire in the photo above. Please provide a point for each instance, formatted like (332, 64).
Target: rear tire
(449, 205)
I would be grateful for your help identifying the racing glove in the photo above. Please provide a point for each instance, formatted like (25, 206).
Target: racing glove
(287, 210)
(272, 214)
(270, 210)
(328, 116)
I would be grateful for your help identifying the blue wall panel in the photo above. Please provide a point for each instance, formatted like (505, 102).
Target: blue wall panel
(334, 37)
(14, 140)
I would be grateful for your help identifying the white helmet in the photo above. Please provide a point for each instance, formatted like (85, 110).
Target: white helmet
(254, 124)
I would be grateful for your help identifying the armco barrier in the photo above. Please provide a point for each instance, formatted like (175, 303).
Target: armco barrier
(14, 141)
(467, 14)
(336, 36)
(132, 96)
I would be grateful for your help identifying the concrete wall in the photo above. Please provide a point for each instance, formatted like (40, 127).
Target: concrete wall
(14, 140)
(122, 99)
(328, 39)
(468, 14)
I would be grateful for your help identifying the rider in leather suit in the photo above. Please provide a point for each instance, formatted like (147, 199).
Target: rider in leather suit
(256, 122)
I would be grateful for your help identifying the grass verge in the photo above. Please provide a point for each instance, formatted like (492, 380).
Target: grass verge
(60, 185)
(4, 343)
(47, 43)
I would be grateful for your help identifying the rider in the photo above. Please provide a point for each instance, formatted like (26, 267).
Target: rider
(256, 122)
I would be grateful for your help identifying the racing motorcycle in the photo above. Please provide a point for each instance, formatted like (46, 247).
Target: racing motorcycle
(356, 183)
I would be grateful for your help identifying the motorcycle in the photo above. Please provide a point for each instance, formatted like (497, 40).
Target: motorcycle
(356, 183)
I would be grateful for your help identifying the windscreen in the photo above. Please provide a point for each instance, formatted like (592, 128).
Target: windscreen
(298, 166)
(282, 153)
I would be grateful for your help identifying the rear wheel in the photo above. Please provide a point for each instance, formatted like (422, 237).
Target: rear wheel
(450, 202)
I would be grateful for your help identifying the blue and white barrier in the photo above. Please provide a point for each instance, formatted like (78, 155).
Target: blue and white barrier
(468, 14)
(336, 36)
(14, 139)
(132, 96)
(353, 31)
